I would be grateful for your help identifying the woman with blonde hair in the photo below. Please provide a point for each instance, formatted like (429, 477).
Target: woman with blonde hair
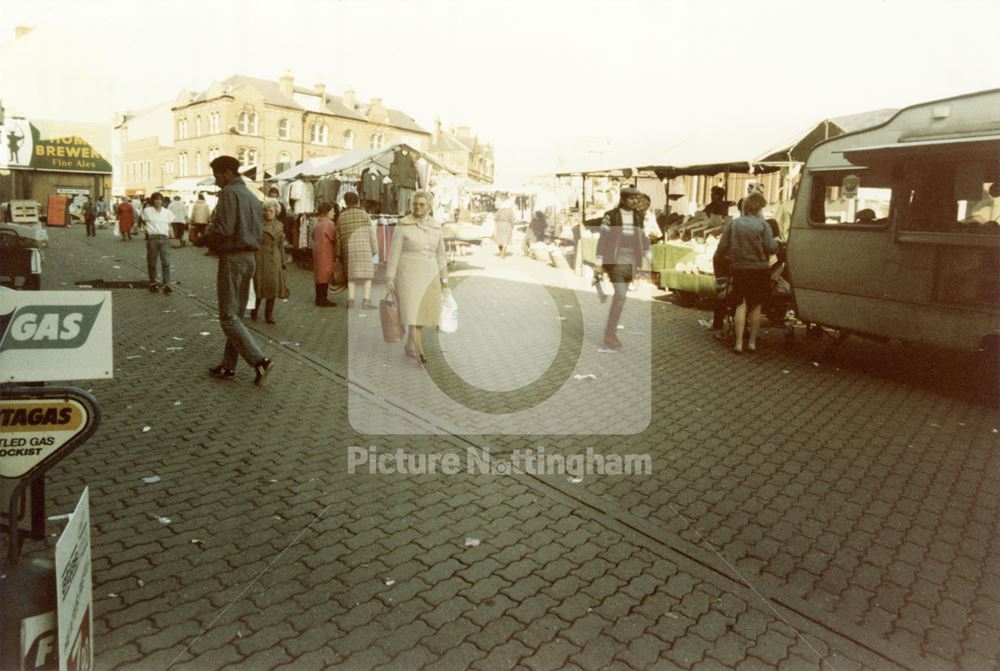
(746, 244)
(269, 275)
(418, 268)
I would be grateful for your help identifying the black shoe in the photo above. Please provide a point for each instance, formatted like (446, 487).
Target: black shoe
(222, 373)
(153, 289)
(270, 319)
(263, 367)
(253, 315)
(350, 303)
(167, 289)
(326, 304)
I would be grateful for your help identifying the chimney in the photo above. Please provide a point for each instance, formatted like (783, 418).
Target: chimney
(21, 31)
(287, 84)
(320, 89)
(436, 136)
(350, 102)
(376, 112)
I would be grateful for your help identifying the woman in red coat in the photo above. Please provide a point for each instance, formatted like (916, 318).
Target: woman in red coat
(324, 254)
(125, 220)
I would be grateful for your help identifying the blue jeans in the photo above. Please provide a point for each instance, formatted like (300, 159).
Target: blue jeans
(158, 246)
(233, 286)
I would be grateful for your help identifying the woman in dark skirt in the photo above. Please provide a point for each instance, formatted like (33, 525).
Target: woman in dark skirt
(746, 244)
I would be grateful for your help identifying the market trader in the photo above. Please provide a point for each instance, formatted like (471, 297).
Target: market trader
(235, 234)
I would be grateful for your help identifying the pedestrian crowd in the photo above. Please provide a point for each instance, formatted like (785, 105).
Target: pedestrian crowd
(247, 237)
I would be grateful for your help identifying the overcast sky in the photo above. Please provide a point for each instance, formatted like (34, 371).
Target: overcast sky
(544, 79)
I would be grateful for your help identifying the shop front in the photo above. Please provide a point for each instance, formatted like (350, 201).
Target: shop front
(41, 158)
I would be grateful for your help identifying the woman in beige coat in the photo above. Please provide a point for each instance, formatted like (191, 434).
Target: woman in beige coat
(269, 276)
(418, 268)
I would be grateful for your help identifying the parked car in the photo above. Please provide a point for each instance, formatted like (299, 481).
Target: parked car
(20, 262)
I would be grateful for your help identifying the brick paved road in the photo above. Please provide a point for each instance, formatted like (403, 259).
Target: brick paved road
(845, 512)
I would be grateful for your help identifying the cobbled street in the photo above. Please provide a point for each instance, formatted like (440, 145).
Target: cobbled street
(807, 508)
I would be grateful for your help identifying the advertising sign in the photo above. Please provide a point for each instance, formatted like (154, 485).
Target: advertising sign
(64, 146)
(38, 642)
(74, 597)
(47, 336)
(34, 429)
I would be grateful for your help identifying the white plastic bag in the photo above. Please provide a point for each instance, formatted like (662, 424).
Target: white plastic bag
(251, 298)
(449, 314)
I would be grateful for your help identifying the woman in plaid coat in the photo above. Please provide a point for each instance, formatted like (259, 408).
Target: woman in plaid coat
(357, 246)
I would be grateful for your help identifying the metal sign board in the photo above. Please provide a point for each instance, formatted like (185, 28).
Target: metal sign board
(31, 430)
(74, 596)
(52, 420)
(47, 336)
(30, 513)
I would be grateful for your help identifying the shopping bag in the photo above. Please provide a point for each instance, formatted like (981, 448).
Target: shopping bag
(392, 321)
(251, 298)
(449, 314)
(339, 273)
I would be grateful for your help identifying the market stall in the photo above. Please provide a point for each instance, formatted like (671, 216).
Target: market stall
(385, 180)
(682, 260)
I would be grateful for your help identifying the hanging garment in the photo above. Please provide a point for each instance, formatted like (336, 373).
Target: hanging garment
(371, 185)
(304, 195)
(405, 200)
(403, 171)
(326, 190)
(423, 173)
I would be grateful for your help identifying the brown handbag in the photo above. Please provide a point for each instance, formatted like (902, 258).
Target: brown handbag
(392, 321)
(339, 273)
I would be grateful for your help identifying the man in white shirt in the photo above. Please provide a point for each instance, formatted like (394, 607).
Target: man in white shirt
(158, 220)
(180, 212)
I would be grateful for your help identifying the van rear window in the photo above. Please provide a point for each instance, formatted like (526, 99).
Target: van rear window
(953, 198)
(855, 197)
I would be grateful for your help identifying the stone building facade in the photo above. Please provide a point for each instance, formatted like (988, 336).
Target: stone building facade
(460, 149)
(274, 125)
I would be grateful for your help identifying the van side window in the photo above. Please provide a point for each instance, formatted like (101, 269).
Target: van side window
(855, 197)
(953, 198)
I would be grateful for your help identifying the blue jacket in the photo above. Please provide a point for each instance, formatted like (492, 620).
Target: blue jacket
(746, 243)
